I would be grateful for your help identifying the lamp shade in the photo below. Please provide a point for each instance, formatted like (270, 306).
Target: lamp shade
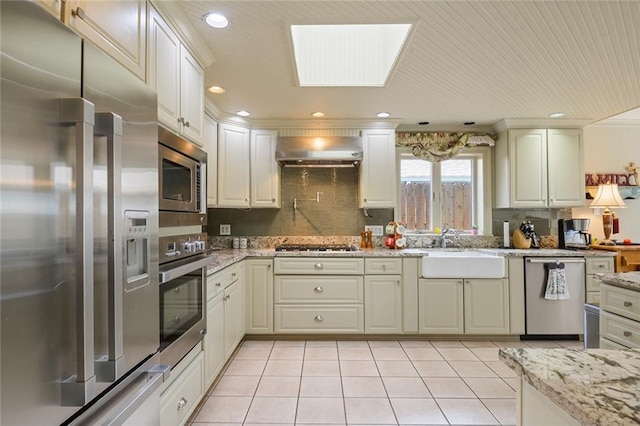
(608, 195)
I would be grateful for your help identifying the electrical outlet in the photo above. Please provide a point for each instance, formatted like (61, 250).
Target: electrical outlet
(376, 230)
(225, 229)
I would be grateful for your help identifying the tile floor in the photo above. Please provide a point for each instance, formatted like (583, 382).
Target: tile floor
(382, 382)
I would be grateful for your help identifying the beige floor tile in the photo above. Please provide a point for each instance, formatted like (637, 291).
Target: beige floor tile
(490, 388)
(236, 386)
(543, 344)
(417, 411)
(287, 352)
(321, 353)
(510, 344)
(355, 354)
(478, 344)
(352, 344)
(405, 387)
(466, 412)
(330, 387)
(359, 368)
(384, 344)
(321, 343)
(272, 410)
(448, 387)
(396, 369)
(423, 354)
(283, 367)
(503, 409)
(514, 382)
(472, 369)
(415, 344)
(369, 410)
(434, 369)
(224, 409)
(321, 368)
(278, 386)
(388, 354)
(253, 343)
(253, 352)
(457, 354)
(245, 367)
(320, 411)
(363, 387)
(447, 344)
(297, 343)
(486, 354)
(501, 369)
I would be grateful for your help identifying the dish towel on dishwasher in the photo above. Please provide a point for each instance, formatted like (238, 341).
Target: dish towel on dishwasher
(557, 288)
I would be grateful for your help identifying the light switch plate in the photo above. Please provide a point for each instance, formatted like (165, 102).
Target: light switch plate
(376, 230)
(225, 229)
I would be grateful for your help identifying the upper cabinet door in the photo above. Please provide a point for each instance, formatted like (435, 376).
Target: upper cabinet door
(163, 74)
(117, 27)
(565, 162)
(211, 147)
(52, 6)
(265, 171)
(528, 162)
(191, 96)
(378, 169)
(233, 166)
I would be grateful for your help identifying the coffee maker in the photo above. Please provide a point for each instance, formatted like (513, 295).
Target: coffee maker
(572, 234)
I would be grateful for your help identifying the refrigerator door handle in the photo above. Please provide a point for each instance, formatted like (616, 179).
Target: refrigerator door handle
(109, 367)
(80, 388)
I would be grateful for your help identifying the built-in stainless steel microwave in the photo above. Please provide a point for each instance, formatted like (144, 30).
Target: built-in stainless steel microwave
(182, 180)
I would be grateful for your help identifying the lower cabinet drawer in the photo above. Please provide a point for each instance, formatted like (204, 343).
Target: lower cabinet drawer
(620, 301)
(593, 297)
(620, 330)
(318, 289)
(608, 344)
(593, 283)
(318, 319)
(182, 397)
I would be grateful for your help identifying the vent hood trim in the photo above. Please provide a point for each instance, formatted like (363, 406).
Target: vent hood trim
(325, 151)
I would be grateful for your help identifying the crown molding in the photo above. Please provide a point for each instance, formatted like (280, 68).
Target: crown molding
(539, 123)
(612, 122)
(443, 128)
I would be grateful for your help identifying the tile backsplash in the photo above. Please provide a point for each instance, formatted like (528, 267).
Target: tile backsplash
(336, 213)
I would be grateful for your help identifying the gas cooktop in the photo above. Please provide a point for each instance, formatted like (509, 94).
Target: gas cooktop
(315, 247)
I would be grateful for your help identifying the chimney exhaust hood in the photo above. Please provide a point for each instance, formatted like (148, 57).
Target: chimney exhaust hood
(323, 151)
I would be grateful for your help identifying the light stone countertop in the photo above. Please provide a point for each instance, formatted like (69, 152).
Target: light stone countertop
(595, 386)
(221, 258)
(630, 280)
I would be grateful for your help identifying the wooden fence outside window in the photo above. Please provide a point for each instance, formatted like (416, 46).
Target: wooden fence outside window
(457, 205)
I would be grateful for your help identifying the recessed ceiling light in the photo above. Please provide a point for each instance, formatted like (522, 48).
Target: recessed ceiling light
(556, 114)
(216, 20)
(383, 115)
(423, 123)
(317, 114)
(243, 113)
(469, 123)
(216, 89)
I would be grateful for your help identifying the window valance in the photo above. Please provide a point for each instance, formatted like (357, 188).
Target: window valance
(436, 147)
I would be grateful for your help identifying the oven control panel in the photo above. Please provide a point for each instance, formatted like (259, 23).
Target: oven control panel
(180, 246)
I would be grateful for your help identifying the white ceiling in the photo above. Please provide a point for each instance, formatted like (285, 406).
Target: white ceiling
(478, 60)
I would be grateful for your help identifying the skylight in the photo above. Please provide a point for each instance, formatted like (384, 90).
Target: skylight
(347, 55)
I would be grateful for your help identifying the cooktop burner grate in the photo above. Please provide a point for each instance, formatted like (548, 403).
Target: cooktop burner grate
(315, 247)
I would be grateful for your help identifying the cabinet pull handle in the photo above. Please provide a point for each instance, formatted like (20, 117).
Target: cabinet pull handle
(384, 267)
(318, 266)
(627, 304)
(218, 284)
(273, 200)
(78, 12)
(318, 289)
(318, 318)
(182, 403)
(627, 333)
(398, 282)
(269, 266)
(181, 120)
(233, 274)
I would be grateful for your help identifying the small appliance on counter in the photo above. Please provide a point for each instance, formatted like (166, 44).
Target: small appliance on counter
(572, 234)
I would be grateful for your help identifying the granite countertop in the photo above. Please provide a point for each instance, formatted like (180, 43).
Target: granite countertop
(630, 280)
(595, 386)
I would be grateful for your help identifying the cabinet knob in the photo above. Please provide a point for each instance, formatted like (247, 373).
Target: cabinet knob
(181, 120)
(318, 318)
(182, 403)
(78, 12)
(273, 200)
(318, 289)
(233, 274)
(384, 267)
(627, 304)
(186, 123)
(318, 266)
(365, 200)
(627, 333)
(218, 284)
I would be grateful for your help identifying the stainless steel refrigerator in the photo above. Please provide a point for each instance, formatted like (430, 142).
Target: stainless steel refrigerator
(79, 230)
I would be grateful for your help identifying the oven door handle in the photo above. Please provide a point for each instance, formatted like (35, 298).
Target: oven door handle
(184, 269)
(562, 260)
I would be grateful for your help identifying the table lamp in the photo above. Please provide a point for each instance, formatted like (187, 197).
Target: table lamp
(607, 196)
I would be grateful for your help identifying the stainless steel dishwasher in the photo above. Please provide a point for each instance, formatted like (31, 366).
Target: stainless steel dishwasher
(547, 319)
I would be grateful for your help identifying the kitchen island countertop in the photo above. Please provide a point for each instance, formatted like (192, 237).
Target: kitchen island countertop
(595, 386)
(630, 280)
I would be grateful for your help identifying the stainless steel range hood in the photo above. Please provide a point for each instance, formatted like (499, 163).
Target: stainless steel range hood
(325, 151)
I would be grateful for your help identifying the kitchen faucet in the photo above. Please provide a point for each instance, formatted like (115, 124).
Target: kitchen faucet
(444, 233)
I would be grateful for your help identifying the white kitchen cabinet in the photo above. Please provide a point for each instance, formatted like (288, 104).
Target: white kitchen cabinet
(233, 166)
(594, 265)
(515, 268)
(234, 313)
(619, 316)
(463, 306)
(117, 27)
(538, 168)
(210, 133)
(377, 175)
(214, 339)
(259, 286)
(178, 80)
(265, 170)
(184, 389)
(383, 304)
